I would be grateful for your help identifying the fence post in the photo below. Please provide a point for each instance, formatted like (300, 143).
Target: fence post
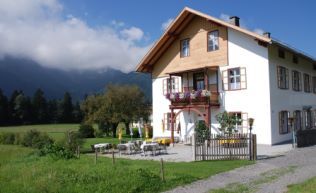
(113, 158)
(78, 151)
(193, 147)
(162, 170)
(254, 147)
(96, 156)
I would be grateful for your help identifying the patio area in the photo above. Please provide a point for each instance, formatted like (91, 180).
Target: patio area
(183, 153)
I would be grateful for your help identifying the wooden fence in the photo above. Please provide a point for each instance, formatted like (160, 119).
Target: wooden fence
(225, 147)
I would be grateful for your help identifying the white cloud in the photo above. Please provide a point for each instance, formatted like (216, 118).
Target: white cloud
(224, 17)
(117, 24)
(132, 34)
(166, 24)
(259, 31)
(35, 29)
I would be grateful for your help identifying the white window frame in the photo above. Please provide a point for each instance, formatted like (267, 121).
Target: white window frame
(235, 77)
(185, 48)
(213, 40)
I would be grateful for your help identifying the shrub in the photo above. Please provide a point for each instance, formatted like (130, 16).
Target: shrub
(86, 131)
(56, 151)
(71, 141)
(36, 139)
(99, 133)
(7, 138)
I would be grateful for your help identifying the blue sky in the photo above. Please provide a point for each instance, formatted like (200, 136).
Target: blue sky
(291, 21)
(97, 35)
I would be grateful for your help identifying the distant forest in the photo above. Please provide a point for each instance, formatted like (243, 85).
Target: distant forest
(19, 109)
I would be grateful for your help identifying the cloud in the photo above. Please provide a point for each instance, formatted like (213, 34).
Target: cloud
(37, 30)
(117, 24)
(166, 24)
(224, 17)
(259, 31)
(132, 34)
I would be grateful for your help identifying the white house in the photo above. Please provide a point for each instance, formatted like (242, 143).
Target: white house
(202, 66)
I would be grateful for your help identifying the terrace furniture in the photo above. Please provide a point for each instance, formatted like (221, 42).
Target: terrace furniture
(101, 146)
(128, 148)
(152, 147)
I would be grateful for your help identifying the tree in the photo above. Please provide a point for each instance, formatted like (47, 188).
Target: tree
(39, 105)
(227, 122)
(66, 109)
(13, 119)
(52, 111)
(77, 113)
(118, 104)
(4, 109)
(23, 109)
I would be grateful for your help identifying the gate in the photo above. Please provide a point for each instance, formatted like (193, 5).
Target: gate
(225, 147)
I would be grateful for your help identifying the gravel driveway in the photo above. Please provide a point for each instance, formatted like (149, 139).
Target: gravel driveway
(266, 176)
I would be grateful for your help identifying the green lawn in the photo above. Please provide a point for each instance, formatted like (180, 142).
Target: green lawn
(308, 186)
(23, 171)
(56, 131)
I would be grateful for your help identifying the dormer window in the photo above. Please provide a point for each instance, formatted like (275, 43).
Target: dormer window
(185, 48)
(281, 53)
(212, 41)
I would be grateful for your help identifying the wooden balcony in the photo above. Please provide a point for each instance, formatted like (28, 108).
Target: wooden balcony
(212, 100)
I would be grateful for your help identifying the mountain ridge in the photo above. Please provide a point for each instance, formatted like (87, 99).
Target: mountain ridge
(27, 75)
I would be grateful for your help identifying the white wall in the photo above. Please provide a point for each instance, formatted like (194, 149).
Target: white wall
(244, 51)
(288, 100)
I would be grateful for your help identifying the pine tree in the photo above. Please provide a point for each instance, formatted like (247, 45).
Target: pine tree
(39, 105)
(66, 109)
(4, 109)
(77, 113)
(13, 119)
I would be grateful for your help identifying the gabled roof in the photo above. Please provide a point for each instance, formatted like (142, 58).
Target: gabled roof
(182, 20)
(175, 29)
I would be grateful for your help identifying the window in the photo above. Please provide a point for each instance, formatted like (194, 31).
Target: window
(283, 122)
(297, 120)
(185, 48)
(234, 79)
(212, 41)
(295, 59)
(167, 121)
(307, 83)
(314, 118)
(314, 84)
(237, 116)
(170, 85)
(283, 77)
(308, 119)
(296, 80)
(281, 53)
(198, 81)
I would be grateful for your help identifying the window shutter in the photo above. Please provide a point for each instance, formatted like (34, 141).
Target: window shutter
(287, 78)
(165, 86)
(243, 78)
(280, 122)
(279, 76)
(244, 117)
(225, 79)
(288, 128)
(300, 81)
(176, 84)
(293, 82)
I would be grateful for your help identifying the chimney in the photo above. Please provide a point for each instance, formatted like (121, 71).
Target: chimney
(234, 20)
(267, 34)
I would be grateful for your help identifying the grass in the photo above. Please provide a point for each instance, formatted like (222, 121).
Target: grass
(308, 186)
(23, 171)
(252, 186)
(56, 131)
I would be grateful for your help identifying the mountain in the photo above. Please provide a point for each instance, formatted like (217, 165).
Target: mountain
(28, 76)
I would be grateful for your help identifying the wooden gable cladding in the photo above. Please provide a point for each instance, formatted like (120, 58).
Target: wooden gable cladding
(196, 30)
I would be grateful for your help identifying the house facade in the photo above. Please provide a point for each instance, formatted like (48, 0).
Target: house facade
(202, 66)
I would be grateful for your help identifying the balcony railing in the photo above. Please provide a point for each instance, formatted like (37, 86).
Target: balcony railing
(200, 97)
